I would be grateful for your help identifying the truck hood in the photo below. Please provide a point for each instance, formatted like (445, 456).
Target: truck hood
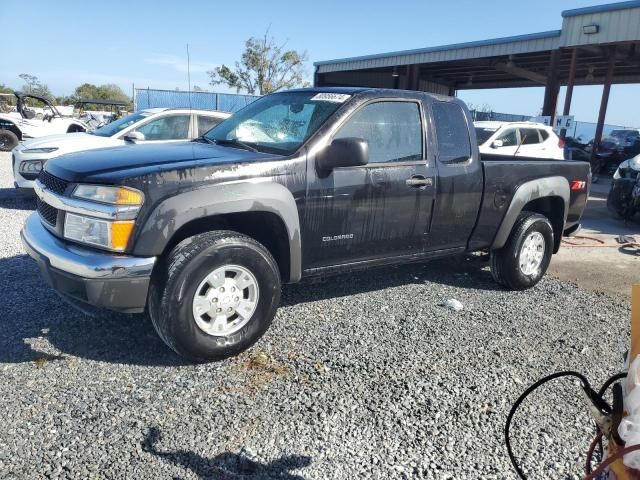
(112, 165)
(70, 142)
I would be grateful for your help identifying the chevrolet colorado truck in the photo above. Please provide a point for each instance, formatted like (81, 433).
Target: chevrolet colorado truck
(298, 184)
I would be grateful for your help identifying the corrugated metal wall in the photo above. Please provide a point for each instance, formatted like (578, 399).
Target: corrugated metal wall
(615, 26)
(226, 102)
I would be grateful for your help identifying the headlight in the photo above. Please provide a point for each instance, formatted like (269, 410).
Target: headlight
(101, 233)
(111, 195)
(31, 166)
(616, 174)
(40, 150)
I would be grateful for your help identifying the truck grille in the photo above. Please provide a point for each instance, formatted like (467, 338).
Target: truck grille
(47, 213)
(52, 183)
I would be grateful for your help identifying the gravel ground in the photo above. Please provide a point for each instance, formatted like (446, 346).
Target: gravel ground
(362, 376)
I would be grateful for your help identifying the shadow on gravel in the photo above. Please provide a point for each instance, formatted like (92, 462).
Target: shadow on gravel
(13, 199)
(452, 272)
(226, 466)
(33, 315)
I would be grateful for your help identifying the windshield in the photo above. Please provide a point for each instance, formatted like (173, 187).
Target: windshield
(483, 134)
(112, 128)
(278, 123)
(625, 133)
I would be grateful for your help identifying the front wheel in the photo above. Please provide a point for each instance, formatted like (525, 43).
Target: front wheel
(216, 295)
(524, 259)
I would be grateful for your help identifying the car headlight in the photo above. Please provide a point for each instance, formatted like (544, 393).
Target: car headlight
(101, 233)
(31, 166)
(108, 194)
(40, 150)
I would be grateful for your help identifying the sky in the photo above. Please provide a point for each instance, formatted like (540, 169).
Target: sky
(69, 42)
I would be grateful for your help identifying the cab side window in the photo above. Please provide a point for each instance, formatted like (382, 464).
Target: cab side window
(169, 127)
(454, 144)
(392, 129)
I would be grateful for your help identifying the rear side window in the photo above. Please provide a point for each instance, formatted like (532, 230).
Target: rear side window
(544, 134)
(529, 136)
(452, 131)
(392, 129)
(206, 123)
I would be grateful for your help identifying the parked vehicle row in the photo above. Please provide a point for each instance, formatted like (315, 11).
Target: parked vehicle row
(23, 123)
(298, 184)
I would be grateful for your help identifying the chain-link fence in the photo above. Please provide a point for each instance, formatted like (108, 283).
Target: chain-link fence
(226, 102)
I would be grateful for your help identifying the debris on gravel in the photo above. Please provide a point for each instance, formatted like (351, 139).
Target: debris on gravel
(453, 304)
(361, 376)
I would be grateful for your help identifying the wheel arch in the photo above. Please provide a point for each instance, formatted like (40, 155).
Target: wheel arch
(266, 212)
(547, 196)
(6, 124)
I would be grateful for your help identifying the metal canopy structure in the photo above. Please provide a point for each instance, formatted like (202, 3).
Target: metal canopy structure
(597, 45)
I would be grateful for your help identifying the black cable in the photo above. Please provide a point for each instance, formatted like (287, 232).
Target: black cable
(610, 381)
(595, 397)
(521, 398)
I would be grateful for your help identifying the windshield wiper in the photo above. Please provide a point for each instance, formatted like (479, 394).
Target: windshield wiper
(234, 142)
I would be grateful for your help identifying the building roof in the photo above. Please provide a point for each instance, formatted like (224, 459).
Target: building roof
(617, 22)
(609, 7)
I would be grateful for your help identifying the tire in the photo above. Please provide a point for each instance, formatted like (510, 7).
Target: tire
(529, 231)
(172, 297)
(8, 140)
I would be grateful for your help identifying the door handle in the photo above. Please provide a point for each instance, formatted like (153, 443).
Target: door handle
(419, 181)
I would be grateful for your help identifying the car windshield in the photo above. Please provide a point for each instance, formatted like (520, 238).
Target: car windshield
(483, 134)
(112, 128)
(278, 123)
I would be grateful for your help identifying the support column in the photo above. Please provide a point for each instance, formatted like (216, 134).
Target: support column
(605, 100)
(413, 77)
(570, 83)
(452, 90)
(552, 87)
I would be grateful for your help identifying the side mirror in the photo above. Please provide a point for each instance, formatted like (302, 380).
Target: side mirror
(133, 137)
(343, 152)
(497, 144)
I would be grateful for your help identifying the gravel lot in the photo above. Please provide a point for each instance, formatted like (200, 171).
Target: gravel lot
(362, 376)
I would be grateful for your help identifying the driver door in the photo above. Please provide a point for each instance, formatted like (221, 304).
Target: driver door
(381, 209)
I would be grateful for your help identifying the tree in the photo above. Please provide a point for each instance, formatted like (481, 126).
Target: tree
(265, 67)
(109, 91)
(5, 89)
(33, 86)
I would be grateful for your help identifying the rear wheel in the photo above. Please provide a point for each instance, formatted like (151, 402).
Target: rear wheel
(216, 296)
(524, 259)
(8, 140)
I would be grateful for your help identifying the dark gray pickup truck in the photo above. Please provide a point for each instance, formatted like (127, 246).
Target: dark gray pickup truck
(297, 184)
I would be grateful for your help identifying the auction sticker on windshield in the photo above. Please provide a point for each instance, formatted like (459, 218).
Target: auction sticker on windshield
(330, 97)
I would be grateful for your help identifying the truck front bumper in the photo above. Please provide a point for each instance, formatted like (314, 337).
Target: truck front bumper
(113, 281)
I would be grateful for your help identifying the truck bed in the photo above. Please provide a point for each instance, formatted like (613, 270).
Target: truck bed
(502, 177)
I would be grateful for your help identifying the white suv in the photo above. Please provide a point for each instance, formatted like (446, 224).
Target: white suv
(524, 139)
(154, 125)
